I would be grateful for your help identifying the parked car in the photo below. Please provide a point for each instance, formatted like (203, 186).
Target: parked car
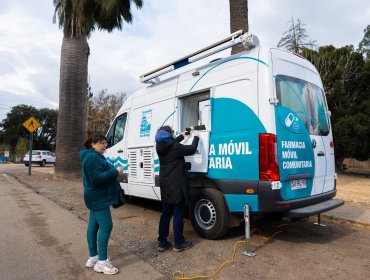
(40, 157)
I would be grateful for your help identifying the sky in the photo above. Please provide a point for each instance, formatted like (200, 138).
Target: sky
(161, 32)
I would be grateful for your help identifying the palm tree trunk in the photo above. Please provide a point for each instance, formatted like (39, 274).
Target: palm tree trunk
(71, 127)
(238, 20)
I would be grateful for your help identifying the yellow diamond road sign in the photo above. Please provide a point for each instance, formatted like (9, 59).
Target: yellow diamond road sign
(31, 124)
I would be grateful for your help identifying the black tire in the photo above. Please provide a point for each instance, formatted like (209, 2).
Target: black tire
(209, 214)
(26, 164)
(43, 163)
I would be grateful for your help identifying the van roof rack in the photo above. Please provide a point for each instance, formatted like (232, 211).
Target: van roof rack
(239, 37)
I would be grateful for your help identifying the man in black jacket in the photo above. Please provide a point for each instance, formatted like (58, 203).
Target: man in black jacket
(173, 180)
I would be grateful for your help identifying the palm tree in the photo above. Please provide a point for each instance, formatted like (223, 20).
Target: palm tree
(78, 19)
(238, 20)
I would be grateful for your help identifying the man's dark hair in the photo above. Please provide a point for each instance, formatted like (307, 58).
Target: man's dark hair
(166, 128)
(95, 138)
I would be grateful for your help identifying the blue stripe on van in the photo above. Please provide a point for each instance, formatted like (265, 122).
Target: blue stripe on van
(228, 60)
(234, 143)
(117, 162)
(236, 202)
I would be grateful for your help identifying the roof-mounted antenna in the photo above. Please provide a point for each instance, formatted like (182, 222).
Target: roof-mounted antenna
(248, 40)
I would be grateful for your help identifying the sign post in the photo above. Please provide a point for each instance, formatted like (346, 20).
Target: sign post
(31, 125)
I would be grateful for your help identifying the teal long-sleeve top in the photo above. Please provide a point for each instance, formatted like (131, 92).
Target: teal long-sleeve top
(100, 181)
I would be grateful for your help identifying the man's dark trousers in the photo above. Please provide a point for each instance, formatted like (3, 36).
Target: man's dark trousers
(178, 222)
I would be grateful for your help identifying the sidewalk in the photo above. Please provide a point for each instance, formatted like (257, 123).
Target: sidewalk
(350, 214)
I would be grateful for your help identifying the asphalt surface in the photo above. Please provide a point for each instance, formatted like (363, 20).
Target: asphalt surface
(41, 240)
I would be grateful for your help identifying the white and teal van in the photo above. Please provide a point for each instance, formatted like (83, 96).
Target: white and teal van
(265, 135)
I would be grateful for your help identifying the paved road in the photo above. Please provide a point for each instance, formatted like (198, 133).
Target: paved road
(40, 240)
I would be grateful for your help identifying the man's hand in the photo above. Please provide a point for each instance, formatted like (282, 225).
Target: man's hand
(184, 133)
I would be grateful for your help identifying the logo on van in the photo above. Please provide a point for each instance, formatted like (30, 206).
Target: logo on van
(290, 119)
(146, 123)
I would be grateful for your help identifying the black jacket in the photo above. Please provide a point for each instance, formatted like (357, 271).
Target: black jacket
(173, 175)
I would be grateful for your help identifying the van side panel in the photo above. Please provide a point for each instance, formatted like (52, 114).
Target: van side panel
(234, 142)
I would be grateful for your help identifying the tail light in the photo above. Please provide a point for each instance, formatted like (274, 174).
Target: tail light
(268, 161)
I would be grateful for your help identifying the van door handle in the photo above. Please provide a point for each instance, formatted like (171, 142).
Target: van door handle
(321, 154)
(120, 151)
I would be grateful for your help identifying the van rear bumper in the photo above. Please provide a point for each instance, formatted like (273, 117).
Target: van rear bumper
(271, 201)
(315, 208)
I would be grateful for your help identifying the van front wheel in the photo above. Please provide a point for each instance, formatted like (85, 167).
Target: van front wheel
(209, 214)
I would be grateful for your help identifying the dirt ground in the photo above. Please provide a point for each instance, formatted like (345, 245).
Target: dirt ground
(354, 189)
(289, 251)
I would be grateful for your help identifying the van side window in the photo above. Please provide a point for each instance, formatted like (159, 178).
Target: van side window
(196, 111)
(117, 130)
(305, 99)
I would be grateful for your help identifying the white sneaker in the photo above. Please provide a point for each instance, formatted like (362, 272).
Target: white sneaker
(105, 267)
(91, 261)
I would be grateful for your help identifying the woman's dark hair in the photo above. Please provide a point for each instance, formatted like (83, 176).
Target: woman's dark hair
(95, 138)
(166, 128)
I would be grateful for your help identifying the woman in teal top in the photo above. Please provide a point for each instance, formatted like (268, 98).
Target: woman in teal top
(101, 190)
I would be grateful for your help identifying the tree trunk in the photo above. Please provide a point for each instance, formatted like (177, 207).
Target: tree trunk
(71, 127)
(238, 20)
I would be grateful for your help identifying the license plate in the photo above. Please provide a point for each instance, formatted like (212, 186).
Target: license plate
(298, 184)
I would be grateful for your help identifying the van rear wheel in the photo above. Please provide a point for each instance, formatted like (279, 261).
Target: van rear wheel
(209, 213)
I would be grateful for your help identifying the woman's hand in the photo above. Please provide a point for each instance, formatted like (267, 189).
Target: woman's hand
(120, 170)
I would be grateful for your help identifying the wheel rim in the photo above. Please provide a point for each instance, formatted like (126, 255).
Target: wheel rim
(205, 214)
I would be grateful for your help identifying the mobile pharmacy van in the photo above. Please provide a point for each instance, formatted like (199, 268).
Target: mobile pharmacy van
(265, 135)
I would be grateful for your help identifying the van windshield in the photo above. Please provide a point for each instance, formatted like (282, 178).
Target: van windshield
(305, 99)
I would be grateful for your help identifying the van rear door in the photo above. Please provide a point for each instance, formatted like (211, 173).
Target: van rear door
(303, 130)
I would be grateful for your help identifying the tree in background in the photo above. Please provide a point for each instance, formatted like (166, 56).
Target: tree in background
(45, 135)
(346, 78)
(364, 45)
(339, 70)
(13, 129)
(79, 19)
(11, 126)
(238, 20)
(296, 38)
(102, 109)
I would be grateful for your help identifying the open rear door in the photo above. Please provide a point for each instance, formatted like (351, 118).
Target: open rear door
(196, 116)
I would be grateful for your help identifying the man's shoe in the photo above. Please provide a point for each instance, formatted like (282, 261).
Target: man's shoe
(183, 246)
(162, 246)
(105, 267)
(91, 261)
